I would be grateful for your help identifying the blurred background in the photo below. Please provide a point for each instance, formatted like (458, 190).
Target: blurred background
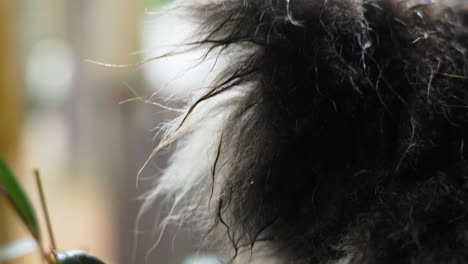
(89, 128)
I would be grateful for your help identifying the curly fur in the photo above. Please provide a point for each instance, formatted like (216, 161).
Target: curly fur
(337, 133)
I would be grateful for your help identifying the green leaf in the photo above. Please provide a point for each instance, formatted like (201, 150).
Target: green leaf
(12, 190)
(76, 257)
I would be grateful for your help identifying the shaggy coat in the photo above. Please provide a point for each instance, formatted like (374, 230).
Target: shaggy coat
(338, 132)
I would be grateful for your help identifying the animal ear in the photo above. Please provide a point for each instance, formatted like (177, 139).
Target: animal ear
(327, 12)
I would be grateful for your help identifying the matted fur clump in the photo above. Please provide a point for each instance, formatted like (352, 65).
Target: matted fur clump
(338, 132)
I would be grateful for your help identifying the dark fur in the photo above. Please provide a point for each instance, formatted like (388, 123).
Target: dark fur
(353, 140)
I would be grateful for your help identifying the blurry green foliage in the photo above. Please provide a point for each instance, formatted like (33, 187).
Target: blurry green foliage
(12, 190)
(154, 4)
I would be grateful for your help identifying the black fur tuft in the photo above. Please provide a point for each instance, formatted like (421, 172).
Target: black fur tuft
(351, 140)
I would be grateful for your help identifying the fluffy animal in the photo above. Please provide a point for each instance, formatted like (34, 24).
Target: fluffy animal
(336, 133)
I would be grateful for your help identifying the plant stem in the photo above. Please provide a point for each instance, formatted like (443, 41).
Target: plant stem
(45, 210)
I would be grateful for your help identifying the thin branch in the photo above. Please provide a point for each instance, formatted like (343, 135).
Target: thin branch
(45, 209)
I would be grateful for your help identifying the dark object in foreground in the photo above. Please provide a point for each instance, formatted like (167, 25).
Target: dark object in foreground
(76, 257)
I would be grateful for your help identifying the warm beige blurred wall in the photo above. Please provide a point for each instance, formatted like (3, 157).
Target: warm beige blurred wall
(10, 106)
(9, 82)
